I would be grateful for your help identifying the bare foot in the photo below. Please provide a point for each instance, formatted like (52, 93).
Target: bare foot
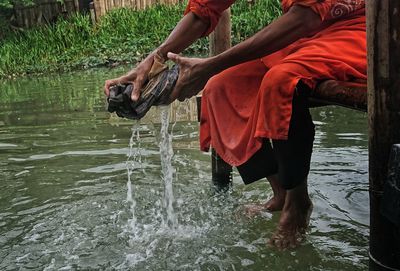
(272, 205)
(292, 226)
(275, 203)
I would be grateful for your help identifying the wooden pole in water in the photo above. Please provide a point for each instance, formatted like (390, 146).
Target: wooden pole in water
(383, 31)
(220, 40)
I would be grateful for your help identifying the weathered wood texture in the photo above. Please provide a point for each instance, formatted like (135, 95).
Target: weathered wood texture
(347, 94)
(101, 7)
(43, 12)
(383, 31)
(220, 39)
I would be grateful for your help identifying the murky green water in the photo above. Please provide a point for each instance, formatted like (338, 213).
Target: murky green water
(63, 190)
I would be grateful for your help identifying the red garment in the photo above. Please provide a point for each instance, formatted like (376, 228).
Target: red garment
(208, 11)
(251, 101)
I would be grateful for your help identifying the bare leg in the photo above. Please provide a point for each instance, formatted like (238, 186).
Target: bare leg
(294, 218)
(294, 156)
(273, 204)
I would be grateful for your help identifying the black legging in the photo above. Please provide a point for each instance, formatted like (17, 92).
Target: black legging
(290, 158)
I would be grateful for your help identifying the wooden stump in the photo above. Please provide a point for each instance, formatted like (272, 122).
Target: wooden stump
(383, 31)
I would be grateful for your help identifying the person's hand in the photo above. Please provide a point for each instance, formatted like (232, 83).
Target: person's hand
(137, 77)
(193, 76)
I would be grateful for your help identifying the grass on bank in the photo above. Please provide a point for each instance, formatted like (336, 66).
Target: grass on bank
(122, 35)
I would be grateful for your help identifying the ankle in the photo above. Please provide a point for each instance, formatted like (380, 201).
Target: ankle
(277, 189)
(297, 204)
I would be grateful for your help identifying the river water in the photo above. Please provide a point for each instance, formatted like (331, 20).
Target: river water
(63, 189)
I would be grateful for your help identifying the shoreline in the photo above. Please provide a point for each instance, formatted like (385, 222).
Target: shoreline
(122, 36)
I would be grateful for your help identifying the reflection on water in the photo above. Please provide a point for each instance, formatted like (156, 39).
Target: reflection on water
(63, 194)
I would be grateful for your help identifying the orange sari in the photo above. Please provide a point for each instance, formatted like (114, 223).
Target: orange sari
(249, 102)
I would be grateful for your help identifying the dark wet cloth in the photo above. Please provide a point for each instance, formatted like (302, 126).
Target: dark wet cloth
(155, 92)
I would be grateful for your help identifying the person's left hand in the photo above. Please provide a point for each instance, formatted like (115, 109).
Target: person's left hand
(193, 76)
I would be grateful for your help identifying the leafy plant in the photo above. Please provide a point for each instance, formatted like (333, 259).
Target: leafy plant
(121, 36)
(11, 3)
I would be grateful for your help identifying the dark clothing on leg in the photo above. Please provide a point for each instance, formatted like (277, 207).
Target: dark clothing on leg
(290, 158)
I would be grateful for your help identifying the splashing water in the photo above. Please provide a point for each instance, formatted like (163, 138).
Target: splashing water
(61, 206)
(167, 153)
(133, 161)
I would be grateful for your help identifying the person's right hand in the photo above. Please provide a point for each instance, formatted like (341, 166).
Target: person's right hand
(137, 77)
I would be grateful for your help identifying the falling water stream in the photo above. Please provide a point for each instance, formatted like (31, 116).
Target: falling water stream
(133, 162)
(166, 153)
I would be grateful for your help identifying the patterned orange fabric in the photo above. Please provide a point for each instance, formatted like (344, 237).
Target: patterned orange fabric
(328, 9)
(247, 103)
(210, 10)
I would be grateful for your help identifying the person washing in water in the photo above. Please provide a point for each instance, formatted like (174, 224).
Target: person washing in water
(254, 105)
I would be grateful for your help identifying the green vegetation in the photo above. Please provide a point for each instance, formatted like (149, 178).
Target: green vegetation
(8, 4)
(121, 36)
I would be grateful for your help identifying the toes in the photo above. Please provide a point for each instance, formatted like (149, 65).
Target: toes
(251, 211)
(272, 241)
(276, 240)
(286, 240)
(274, 204)
(269, 206)
(294, 241)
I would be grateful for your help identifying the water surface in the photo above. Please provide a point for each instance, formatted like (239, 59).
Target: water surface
(63, 190)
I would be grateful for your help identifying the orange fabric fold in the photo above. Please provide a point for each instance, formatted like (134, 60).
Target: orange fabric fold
(247, 103)
(209, 11)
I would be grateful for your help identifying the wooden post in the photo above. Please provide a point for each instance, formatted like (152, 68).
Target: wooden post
(221, 173)
(76, 4)
(383, 31)
(99, 8)
(92, 13)
(220, 40)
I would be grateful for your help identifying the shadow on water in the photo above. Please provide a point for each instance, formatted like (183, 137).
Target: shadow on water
(63, 189)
